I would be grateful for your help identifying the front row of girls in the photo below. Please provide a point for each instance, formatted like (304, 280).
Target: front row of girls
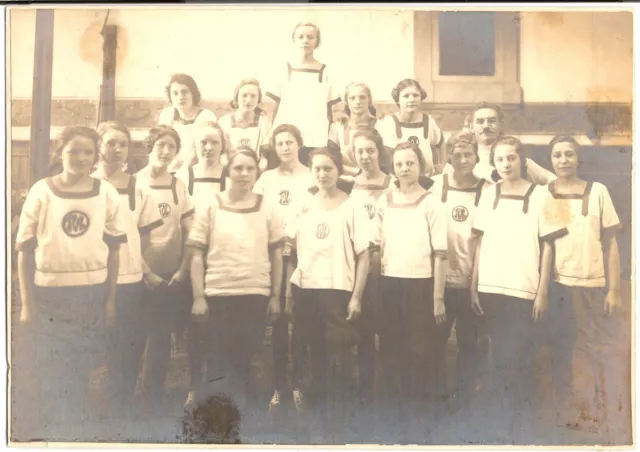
(392, 255)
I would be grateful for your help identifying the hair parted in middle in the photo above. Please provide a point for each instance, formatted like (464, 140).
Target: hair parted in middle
(189, 82)
(68, 134)
(244, 82)
(333, 153)
(463, 137)
(517, 146)
(422, 163)
(345, 97)
(406, 83)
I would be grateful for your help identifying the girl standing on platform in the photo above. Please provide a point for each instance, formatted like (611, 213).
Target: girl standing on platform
(184, 95)
(460, 194)
(413, 253)
(236, 273)
(304, 94)
(361, 115)
(284, 188)
(586, 298)
(68, 239)
(166, 303)
(413, 126)
(510, 279)
(248, 125)
(206, 177)
(140, 216)
(331, 235)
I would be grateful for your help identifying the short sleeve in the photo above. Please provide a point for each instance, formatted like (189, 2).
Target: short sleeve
(166, 117)
(26, 239)
(537, 174)
(609, 218)
(114, 234)
(436, 137)
(360, 231)
(187, 208)
(277, 233)
(549, 226)
(437, 221)
(258, 187)
(201, 227)
(206, 116)
(150, 218)
(484, 208)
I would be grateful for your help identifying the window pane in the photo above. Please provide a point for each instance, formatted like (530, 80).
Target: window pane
(467, 43)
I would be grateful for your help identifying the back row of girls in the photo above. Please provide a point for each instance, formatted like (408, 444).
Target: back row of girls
(394, 254)
(303, 94)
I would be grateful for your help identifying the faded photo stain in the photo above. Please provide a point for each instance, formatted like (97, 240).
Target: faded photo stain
(91, 45)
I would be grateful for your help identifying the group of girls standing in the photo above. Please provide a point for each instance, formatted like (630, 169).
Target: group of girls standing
(348, 230)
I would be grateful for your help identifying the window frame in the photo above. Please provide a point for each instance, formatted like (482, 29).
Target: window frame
(503, 87)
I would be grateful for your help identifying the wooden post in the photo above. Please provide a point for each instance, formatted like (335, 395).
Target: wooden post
(107, 111)
(41, 95)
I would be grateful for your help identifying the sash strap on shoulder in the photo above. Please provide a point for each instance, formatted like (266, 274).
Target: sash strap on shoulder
(132, 193)
(585, 199)
(445, 187)
(321, 72)
(173, 190)
(478, 191)
(495, 202)
(525, 204)
(191, 180)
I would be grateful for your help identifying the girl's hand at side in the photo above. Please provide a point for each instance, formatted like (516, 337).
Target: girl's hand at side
(612, 302)
(439, 311)
(354, 309)
(475, 303)
(540, 306)
(200, 309)
(178, 277)
(152, 280)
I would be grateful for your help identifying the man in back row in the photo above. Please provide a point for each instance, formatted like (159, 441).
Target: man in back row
(487, 123)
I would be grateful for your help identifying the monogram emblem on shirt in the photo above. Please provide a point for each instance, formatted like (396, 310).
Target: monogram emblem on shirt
(460, 213)
(165, 209)
(285, 197)
(414, 140)
(75, 223)
(322, 231)
(244, 142)
(371, 210)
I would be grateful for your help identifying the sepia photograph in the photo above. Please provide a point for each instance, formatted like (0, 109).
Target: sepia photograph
(339, 224)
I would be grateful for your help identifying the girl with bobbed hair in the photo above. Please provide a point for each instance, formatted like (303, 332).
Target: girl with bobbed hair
(185, 111)
(412, 125)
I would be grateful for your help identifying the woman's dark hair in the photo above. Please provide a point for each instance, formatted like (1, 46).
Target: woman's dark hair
(462, 138)
(564, 139)
(189, 82)
(236, 91)
(289, 128)
(307, 24)
(106, 126)
(347, 110)
(406, 83)
(334, 154)
(157, 132)
(517, 146)
(373, 136)
(68, 134)
(422, 163)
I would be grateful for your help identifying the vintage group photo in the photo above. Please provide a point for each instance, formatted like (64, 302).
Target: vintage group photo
(320, 225)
